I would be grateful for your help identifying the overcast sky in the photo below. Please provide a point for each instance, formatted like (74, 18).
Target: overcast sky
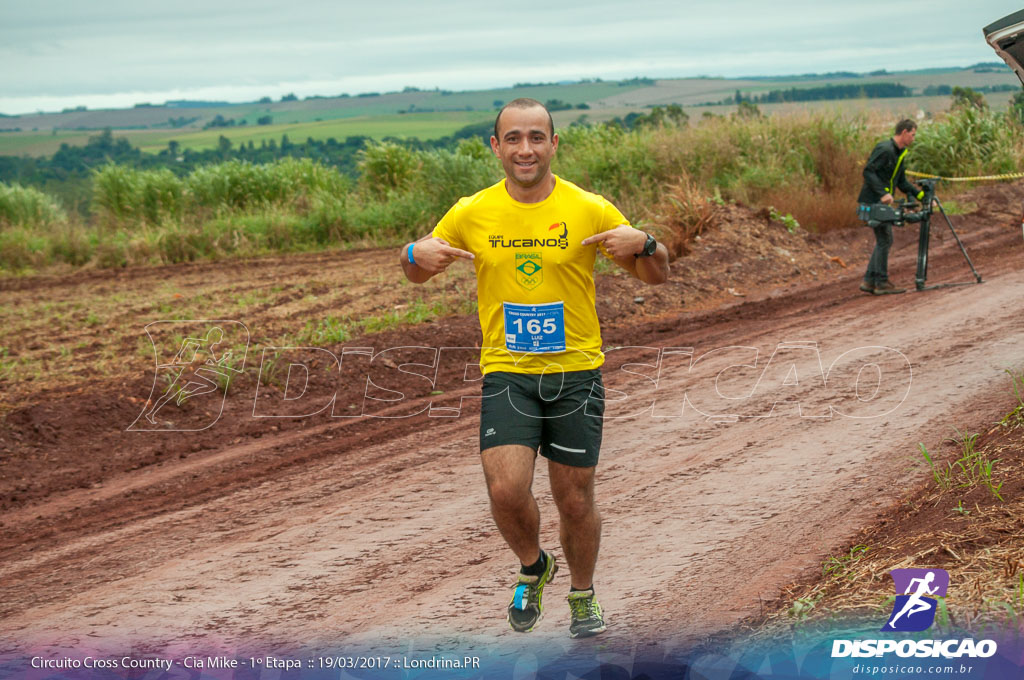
(113, 53)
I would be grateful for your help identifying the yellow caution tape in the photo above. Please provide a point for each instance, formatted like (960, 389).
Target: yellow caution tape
(1009, 175)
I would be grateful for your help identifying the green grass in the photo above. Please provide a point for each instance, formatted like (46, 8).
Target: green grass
(40, 143)
(422, 125)
(841, 566)
(802, 165)
(377, 125)
(329, 331)
(966, 143)
(1016, 416)
(955, 207)
(572, 94)
(972, 468)
(943, 476)
(336, 330)
(415, 313)
(28, 207)
(803, 607)
(391, 104)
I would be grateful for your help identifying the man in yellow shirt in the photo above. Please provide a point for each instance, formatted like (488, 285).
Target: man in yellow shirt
(533, 239)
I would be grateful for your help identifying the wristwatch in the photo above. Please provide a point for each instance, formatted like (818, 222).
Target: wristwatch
(649, 247)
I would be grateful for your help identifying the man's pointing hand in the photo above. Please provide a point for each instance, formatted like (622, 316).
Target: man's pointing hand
(434, 255)
(622, 241)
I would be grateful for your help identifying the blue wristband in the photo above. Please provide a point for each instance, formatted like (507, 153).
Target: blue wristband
(408, 253)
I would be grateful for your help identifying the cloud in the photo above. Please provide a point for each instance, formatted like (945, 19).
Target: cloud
(60, 50)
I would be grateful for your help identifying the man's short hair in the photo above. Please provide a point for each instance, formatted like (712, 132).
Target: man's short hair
(523, 103)
(905, 124)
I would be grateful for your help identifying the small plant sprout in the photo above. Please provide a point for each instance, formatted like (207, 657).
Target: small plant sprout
(840, 566)
(787, 220)
(943, 478)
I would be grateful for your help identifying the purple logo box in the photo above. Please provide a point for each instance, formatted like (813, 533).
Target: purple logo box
(939, 579)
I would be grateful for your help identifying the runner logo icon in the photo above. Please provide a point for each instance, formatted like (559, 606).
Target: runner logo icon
(915, 605)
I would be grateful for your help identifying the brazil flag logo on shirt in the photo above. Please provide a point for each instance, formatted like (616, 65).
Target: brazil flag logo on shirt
(529, 270)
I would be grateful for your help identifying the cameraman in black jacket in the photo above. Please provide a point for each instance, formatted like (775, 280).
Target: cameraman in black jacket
(884, 172)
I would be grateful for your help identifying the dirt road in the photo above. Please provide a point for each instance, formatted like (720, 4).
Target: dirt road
(750, 441)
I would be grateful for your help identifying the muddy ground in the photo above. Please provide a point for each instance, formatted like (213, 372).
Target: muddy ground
(767, 412)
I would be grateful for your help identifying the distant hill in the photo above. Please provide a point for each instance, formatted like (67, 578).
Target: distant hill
(430, 114)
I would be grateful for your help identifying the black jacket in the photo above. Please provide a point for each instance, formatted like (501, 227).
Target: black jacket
(881, 174)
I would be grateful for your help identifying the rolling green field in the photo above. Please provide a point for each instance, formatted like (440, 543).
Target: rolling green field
(434, 125)
(39, 143)
(421, 125)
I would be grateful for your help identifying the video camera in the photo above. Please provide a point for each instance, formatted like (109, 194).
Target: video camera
(904, 212)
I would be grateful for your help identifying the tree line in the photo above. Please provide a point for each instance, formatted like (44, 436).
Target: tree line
(67, 174)
(829, 92)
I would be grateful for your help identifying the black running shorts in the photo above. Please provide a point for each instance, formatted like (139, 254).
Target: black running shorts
(561, 414)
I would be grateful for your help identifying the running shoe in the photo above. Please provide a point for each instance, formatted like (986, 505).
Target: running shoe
(525, 609)
(587, 619)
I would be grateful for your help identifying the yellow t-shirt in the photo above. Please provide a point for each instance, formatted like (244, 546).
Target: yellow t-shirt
(535, 282)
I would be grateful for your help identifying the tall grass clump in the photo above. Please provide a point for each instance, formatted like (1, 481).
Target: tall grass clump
(240, 186)
(227, 208)
(35, 230)
(613, 162)
(402, 193)
(684, 212)
(124, 196)
(386, 168)
(968, 142)
(20, 247)
(28, 207)
(836, 150)
(807, 165)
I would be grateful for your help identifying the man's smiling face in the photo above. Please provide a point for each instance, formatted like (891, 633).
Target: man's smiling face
(525, 145)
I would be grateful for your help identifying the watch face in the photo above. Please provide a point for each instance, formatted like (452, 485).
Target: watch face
(650, 246)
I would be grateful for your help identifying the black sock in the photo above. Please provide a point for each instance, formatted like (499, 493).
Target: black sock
(537, 568)
(580, 590)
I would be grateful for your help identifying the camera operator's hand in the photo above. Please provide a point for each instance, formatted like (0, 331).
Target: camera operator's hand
(887, 199)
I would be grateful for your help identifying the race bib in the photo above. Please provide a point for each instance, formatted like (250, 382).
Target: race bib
(535, 328)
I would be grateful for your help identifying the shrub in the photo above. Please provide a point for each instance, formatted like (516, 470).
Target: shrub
(71, 244)
(967, 141)
(160, 197)
(609, 161)
(232, 186)
(19, 249)
(28, 207)
(684, 212)
(114, 192)
(386, 167)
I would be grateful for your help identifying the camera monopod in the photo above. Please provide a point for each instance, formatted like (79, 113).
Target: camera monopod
(902, 213)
